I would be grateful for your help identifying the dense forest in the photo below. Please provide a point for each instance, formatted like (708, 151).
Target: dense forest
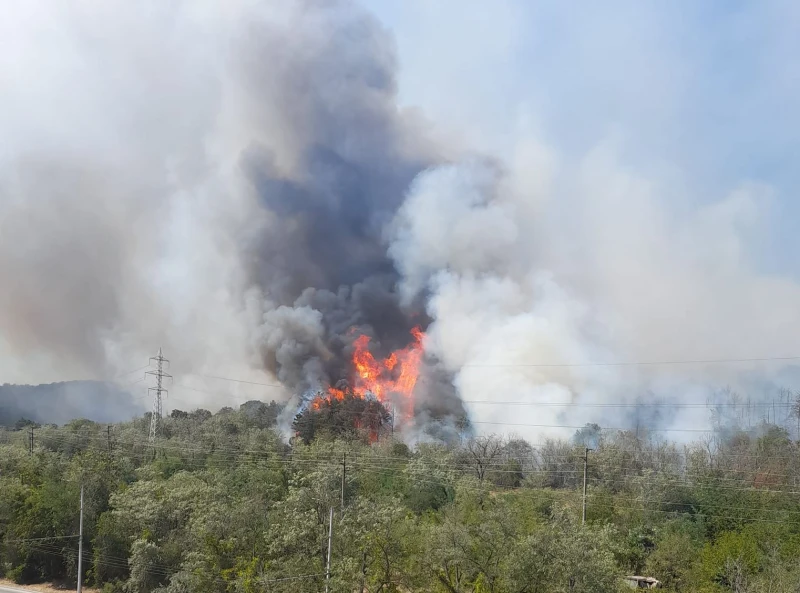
(222, 503)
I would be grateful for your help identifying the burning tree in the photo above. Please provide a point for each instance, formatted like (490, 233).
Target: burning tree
(350, 415)
(390, 380)
(358, 404)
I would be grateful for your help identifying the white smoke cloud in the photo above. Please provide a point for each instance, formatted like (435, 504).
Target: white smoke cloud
(592, 267)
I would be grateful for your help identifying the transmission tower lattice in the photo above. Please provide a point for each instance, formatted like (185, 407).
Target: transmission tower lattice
(158, 390)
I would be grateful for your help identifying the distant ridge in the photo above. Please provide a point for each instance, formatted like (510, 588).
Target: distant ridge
(58, 403)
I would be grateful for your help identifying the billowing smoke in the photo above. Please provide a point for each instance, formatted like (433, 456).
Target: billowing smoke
(549, 291)
(319, 259)
(237, 184)
(213, 181)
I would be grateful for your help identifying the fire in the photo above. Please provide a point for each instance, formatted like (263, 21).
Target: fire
(390, 380)
(332, 394)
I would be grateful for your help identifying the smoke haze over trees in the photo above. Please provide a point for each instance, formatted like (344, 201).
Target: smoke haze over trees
(59, 403)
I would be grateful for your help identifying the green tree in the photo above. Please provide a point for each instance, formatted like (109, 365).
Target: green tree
(731, 560)
(565, 557)
(672, 562)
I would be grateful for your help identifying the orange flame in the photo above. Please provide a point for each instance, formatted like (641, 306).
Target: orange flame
(389, 380)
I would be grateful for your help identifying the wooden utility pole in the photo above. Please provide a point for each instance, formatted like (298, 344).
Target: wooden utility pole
(80, 547)
(30, 441)
(344, 472)
(363, 570)
(585, 467)
(328, 563)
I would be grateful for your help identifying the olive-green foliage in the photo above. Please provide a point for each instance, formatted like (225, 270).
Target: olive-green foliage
(674, 556)
(223, 504)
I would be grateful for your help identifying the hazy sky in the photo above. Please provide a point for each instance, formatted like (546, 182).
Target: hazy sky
(703, 93)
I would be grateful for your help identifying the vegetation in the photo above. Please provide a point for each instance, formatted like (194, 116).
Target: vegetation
(347, 417)
(223, 504)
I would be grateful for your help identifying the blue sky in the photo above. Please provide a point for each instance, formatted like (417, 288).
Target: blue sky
(704, 94)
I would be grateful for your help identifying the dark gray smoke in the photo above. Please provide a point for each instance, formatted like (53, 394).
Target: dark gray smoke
(322, 259)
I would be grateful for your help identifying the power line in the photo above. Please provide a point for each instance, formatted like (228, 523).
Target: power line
(638, 363)
(382, 468)
(298, 577)
(237, 380)
(62, 434)
(568, 365)
(367, 461)
(131, 372)
(709, 406)
(570, 426)
(235, 454)
(579, 404)
(577, 427)
(626, 404)
(231, 397)
(38, 539)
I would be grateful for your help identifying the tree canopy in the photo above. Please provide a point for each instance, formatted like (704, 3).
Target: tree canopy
(224, 504)
(350, 416)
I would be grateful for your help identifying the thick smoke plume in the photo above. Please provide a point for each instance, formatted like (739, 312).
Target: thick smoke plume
(544, 291)
(216, 182)
(238, 184)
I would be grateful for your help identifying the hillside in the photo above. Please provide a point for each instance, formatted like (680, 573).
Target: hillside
(58, 403)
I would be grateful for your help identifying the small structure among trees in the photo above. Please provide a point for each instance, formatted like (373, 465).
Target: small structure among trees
(637, 582)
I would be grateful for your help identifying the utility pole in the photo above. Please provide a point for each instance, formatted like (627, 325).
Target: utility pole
(328, 564)
(585, 467)
(30, 440)
(80, 547)
(160, 375)
(344, 471)
(797, 412)
(363, 570)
